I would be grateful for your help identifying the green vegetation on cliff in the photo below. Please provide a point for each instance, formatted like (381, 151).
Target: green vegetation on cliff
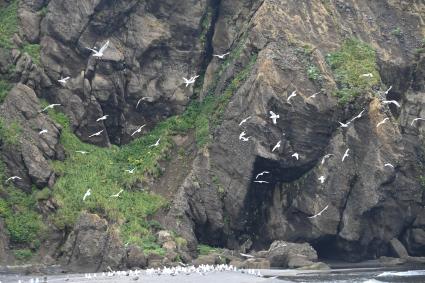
(349, 64)
(8, 24)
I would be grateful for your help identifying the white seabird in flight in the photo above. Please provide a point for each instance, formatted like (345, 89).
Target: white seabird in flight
(221, 56)
(320, 213)
(117, 194)
(99, 54)
(276, 146)
(51, 106)
(392, 102)
(261, 174)
(345, 154)
(321, 179)
(156, 143)
(382, 122)
(274, 117)
(296, 155)
(138, 130)
(13, 178)
(293, 94)
(87, 194)
(63, 80)
(244, 121)
(326, 157)
(96, 134)
(416, 119)
(190, 81)
(104, 117)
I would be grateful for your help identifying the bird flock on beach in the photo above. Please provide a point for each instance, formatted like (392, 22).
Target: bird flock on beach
(135, 275)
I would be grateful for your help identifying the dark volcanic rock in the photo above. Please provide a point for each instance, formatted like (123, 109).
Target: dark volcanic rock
(284, 254)
(4, 244)
(93, 246)
(29, 154)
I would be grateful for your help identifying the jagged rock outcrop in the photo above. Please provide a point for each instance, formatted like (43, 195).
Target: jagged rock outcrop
(93, 245)
(26, 153)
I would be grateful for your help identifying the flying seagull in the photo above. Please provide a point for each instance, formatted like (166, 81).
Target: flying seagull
(242, 137)
(276, 146)
(320, 213)
(388, 90)
(138, 130)
(326, 157)
(155, 144)
(117, 194)
(246, 255)
(417, 119)
(96, 134)
(392, 102)
(261, 174)
(81, 151)
(293, 94)
(221, 56)
(88, 193)
(296, 155)
(244, 121)
(63, 80)
(382, 122)
(13, 178)
(368, 75)
(274, 117)
(358, 116)
(44, 131)
(99, 54)
(314, 95)
(389, 165)
(130, 171)
(142, 99)
(321, 179)
(51, 106)
(190, 81)
(261, 182)
(344, 125)
(345, 154)
(102, 118)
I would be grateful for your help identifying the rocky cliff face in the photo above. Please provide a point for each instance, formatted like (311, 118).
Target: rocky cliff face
(277, 48)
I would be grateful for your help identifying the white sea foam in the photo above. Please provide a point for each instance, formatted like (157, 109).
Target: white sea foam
(403, 273)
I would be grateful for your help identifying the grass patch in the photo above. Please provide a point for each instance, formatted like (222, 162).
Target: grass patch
(397, 32)
(8, 24)
(33, 50)
(206, 250)
(23, 254)
(304, 53)
(22, 221)
(10, 132)
(205, 25)
(354, 59)
(5, 87)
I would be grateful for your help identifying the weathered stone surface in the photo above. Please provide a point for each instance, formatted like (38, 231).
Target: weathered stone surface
(4, 244)
(207, 259)
(93, 246)
(398, 249)
(283, 254)
(29, 154)
(256, 263)
(135, 258)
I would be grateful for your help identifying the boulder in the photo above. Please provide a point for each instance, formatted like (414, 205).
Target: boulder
(207, 259)
(415, 241)
(316, 266)
(135, 258)
(155, 260)
(93, 245)
(255, 263)
(398, 249)
(281, 253)
(164, 236)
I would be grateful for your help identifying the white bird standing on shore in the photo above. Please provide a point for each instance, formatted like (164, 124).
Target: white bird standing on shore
(276, 146)
(117, 194)
(13, 178)
(96, 134)
(99, 54)
(102, 118)
(293, 94)
(326, 157)
(64, 80)
(274, 117)
(345, 154)
(244, 121)
(261, 174)
(296, 155)
(43, 131)
(155, 144)
(221, 56)
(138, 130)
(50, 106)
(87, 194)
(321, 179)
(416, 119)
(320, 213)
(391, 102)
(382, 122)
